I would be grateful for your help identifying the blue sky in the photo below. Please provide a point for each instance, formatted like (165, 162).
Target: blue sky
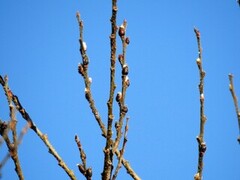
(39, 51)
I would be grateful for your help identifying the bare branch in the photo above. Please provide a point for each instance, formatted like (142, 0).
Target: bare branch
(108, 153)
(20, 137)
(200, 138)
(235, 100)
(119, 165)
(42, 136)
(83, 70)
(125, 84)
(87, 172)
(12, 147)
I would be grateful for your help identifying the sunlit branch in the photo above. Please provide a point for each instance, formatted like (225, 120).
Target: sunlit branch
(42, 136)
(87, 172)
(200, 138)
(119, 165)
(235, 100)
(12, 147)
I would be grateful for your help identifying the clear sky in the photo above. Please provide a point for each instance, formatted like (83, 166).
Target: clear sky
(39, 51)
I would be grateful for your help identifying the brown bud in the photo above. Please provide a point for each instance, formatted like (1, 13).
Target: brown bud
(120, 58)
(81, 168)
(127, 81)
(125, 109)
(121, 31)
(80, 69)
(85, 61)
(127, 40)
(125, 69)
(203, 147)
(89, 172)
(87, 94)
(3, 127)
(197, 32)
(119, 96)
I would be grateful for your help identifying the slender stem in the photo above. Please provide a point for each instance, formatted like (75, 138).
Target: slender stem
(235, 100)
(20, 137)
(200, 138)
(87, 172)
(119, 165)
(42, 136)
(108, 154)
(125, 83)
(13, 147)
(83, 70)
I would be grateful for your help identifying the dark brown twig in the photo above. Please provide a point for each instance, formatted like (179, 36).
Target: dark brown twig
(42, 136)
(200, 138)
(87, 172)
(235, 100)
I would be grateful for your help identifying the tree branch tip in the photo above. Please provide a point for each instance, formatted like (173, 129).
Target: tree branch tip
(78, 15)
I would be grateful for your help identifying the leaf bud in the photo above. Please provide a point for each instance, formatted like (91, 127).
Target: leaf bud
(125, 69)
(84, 45)
(127, 81)
(120, 58)
(119, 96)
(89, 172)
(125, 109)
(81, 168)
(121, 31)
(80, 69)
(127, 40)
(198, 61)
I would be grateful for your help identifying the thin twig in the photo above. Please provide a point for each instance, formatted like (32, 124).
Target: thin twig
(13, 154)
(125, 84)
(235, 100)
(108, 154)
(13, 147)
(200, 138)
(42, 136)
(119, 165)
(20, 137)
(83, 71)
(87, 172)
